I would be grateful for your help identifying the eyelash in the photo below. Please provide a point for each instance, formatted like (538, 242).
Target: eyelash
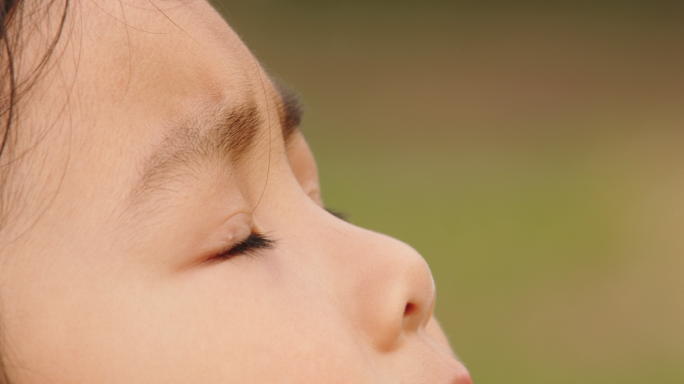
(256, 241)
(340, 215)
(248, 246)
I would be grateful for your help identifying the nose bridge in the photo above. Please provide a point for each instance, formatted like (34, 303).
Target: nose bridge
(392, 291)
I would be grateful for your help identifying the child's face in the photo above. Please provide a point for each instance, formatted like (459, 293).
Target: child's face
(169, 151)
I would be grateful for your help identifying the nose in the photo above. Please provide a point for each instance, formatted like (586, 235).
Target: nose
(381, 290)
(391, 288)
(391, 300)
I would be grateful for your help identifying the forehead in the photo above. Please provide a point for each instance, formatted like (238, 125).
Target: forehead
(176, 67)
(164, 53)
(124, 75)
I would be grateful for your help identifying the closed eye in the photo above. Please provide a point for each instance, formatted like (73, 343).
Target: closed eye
(254, 242)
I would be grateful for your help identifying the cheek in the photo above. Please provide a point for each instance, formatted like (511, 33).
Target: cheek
(250, 321)
(244, 321)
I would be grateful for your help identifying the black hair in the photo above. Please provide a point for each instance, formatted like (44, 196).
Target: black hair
(8, 81)
(7, 97)
(18, 16)
(8, 91)
(11, 91)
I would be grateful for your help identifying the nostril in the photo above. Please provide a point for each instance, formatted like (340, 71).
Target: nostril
(409, 309)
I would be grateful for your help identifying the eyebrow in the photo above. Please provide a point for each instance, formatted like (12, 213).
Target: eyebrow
(290, 111)
(231, 135)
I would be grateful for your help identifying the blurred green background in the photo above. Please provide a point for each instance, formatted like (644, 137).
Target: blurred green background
(532, 151)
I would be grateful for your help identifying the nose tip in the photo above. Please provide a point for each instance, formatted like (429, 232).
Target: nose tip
(398, 292)
(419, 295)
(462, 376)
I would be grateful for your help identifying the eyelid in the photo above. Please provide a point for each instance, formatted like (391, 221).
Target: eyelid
(246, 247)
(234, 230)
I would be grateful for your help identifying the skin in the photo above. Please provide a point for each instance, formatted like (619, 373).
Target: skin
(97, 286)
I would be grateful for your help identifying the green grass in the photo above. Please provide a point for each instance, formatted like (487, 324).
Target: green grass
(532, 155)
